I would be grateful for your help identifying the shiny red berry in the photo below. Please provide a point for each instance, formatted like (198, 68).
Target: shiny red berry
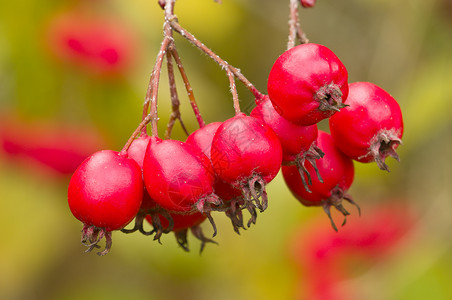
(202, 139)
(137, 151)
(371, 127)
(231, 196)
(298, 142)
(337, 172)
(308, 83)
(307, 3)
(178, 176)
(105, 193)
(247, 154)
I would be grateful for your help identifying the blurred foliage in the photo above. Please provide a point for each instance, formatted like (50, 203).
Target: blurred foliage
(403, 46)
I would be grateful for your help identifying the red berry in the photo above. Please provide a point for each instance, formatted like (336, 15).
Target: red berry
(327, 256)
(231, 196)
(371, 127)
(137, 151)
(48, 146)
(308, 83)
(298, 142)
(178, 176)
(202, 140)
(105, 193)
(307, 3)
(247, 154)
(93, 43)
(337, 173)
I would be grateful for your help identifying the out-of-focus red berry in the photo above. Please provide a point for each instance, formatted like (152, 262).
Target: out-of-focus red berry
(48, 146)
(96, 44)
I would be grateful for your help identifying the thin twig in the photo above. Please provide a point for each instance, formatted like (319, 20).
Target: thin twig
(188, 87)
(234, 93)
(175, 103)
(293, 20)
(137, 131)
(224, 65)
(294, 26)
(152, 90)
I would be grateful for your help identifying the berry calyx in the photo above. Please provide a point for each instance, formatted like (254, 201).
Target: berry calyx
(308, 83)
(371, 127)
(105, 194)
(181, 225)
(337, 172)
(247, 154)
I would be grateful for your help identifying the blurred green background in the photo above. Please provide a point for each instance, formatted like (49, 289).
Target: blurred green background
(403, 46)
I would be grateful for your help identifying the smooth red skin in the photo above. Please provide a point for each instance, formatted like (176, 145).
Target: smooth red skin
(96, 44)
(244, 146)
(294, 139)
(307, 3)
(371, 110)
(137, 151)
(176, 174)
(181, 222)
(53, 146)
(297, 75)
(106, 190)
(335, 168)
(202, 140)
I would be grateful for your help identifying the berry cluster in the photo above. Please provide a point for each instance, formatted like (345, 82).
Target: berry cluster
(226, 166)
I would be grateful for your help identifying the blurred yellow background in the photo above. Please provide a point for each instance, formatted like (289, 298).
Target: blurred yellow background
(403, 46)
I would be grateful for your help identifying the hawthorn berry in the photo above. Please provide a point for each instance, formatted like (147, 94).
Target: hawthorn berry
(337, 172)
(307, 3)
(202, 139)
(308, 83)
(105, 194)
(247, 154)
(47, 146)
(298, 142)
(179, 177)
(96, 44)
(371, 127)
(231, 196)
(137, 151)
(327, 256)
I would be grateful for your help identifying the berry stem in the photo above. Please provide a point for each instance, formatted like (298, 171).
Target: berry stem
(223, 64)
(151, 96)
(235, 95)
(175, 103)
(152, 92)
(141, 127)
(294, 26)
(188, 87)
